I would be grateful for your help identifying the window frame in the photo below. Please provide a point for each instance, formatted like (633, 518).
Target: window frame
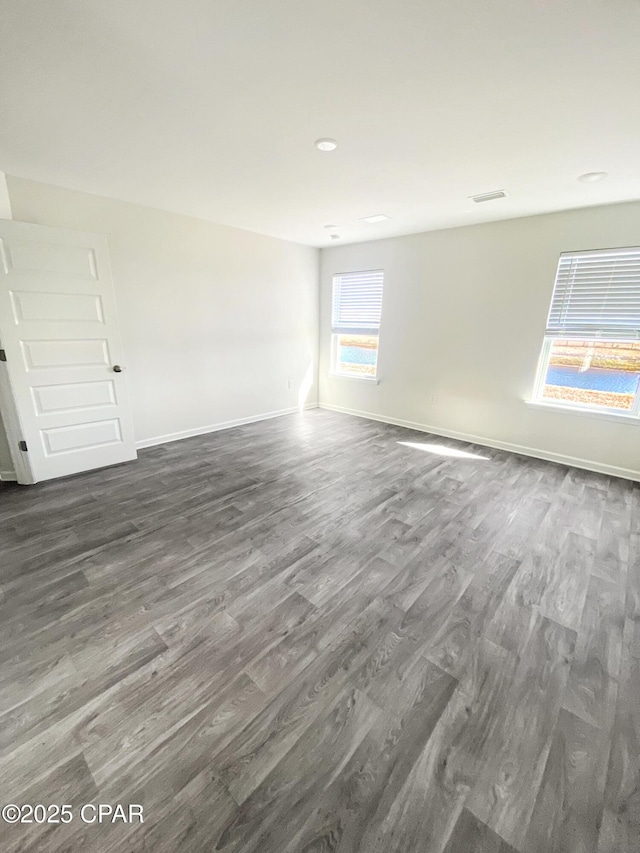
(334, 362)
(595, 299)
(580, 408)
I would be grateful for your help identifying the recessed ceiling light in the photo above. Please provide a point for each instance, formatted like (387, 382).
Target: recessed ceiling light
(592, 177)
(378, 217)
(488, 196)
(326, 144)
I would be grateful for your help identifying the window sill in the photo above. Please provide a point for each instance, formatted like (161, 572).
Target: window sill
(623, 417)
(370, 380)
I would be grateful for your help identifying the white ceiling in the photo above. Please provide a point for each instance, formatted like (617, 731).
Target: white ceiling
(211, 107)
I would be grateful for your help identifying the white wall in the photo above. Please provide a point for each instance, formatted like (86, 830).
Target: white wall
(6, 465)
(214, 320)
(464, 313)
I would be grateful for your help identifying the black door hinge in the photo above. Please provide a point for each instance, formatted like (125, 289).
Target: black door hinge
(23, 445)
(3, 355)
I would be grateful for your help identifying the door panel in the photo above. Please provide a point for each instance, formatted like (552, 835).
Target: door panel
(53, 307)
(45, 355)
(58, 326)
(66, 438)
(34, 255)
(79, 396)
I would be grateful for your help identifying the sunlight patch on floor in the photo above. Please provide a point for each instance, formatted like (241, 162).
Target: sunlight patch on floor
(442, 450)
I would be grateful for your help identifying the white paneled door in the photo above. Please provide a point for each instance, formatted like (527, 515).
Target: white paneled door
(59, 334)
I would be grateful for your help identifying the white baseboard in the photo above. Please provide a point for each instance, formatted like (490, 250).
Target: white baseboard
(190, 433)
(8, 476)
(574, 461)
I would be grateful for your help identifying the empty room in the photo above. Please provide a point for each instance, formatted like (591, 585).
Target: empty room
(319, 426)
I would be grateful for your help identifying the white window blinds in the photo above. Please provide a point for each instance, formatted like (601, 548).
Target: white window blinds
(597, 294)
(357, 303)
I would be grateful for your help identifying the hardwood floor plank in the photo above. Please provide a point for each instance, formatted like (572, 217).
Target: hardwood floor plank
(632, 605)
(74, 785)
(620, 832)
(380, 764)
(593, 679)
(566, 579)
(452, 647)
(612, 553)
(568, 810)
(423, 814)
(503, 796)
(279, 806)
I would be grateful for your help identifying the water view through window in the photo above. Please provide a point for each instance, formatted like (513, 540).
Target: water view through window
(357, 355)
(593, 373)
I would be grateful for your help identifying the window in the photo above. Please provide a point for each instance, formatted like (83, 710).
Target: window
(355, 323)
(591, 353)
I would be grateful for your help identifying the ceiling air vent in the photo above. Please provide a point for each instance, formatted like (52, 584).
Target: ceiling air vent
(488, 196)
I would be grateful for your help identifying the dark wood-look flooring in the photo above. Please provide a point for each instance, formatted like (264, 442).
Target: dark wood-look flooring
(302, 635)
